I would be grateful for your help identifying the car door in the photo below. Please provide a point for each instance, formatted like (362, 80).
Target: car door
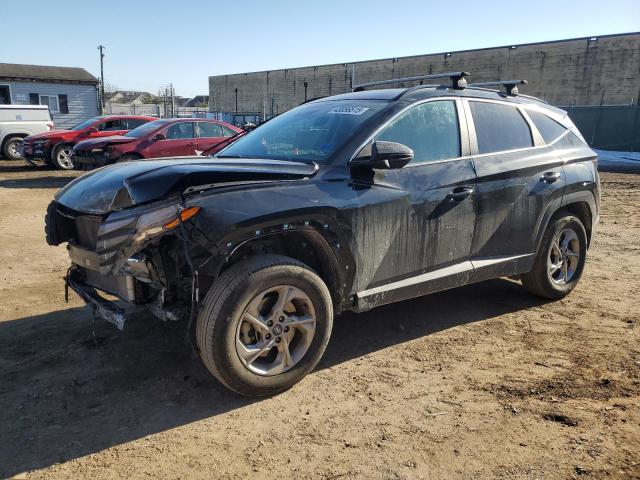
(414, 226)
(179, 140)
(209, 134)
(518, 178)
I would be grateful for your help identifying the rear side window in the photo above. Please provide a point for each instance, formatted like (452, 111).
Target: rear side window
(548, 128)
(209, 130)
(499, 127)
(429, 129)
(135, 122)
(228, 132)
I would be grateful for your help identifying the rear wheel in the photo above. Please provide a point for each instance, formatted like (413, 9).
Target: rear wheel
(560, 260)
(265, 324)
(13, 148)
(62, 157)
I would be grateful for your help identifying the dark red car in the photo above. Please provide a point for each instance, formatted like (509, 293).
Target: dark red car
(55, 147)
(170, 137)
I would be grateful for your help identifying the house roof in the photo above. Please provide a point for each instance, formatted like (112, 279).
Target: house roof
(46, 73)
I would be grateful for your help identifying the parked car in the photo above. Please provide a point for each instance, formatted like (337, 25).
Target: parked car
(18, 122)
(216, 147)
(55, 147)
(344, 203)
(160, 138)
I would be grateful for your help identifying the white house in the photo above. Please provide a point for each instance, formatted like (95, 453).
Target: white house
(70, 93)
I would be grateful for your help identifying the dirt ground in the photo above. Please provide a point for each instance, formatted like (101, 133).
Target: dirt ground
(484, 381)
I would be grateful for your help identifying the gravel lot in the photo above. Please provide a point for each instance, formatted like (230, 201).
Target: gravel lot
(484, 381)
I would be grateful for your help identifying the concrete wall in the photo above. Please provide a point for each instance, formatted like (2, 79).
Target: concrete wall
(82, 99)
(579, 71)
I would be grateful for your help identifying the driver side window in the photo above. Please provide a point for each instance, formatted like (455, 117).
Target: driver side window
(180, 130)
(430, 129)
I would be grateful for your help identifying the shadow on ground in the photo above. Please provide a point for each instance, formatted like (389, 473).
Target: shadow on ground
(19, 166)
(67, 390)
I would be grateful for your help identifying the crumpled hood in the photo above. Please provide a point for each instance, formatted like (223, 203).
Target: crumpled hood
(127, 184)
(103, 141)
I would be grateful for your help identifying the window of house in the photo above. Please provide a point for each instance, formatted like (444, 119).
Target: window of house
(548, 128)
(499, 127)
(180, 130)
(5, 95)
(429, 129)
(210, 130)
(51, 101)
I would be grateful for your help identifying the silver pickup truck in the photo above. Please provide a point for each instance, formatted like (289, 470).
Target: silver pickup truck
(19, 121)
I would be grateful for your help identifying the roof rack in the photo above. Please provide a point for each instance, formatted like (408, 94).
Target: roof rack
(457, 80)
(510, 86)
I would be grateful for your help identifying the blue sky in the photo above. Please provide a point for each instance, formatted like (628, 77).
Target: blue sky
(150, 43)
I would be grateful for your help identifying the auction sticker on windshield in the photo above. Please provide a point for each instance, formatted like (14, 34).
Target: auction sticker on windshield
(346, 110)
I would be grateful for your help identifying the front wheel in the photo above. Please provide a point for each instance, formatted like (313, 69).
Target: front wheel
(560, 259)
(62, 157)
(265, 324)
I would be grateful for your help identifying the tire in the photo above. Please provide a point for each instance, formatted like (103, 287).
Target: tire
(11, 148)
(546, 279)
(222, 323)
(62, 157)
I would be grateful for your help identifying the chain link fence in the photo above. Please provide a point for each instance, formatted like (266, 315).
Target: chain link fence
(156, 110)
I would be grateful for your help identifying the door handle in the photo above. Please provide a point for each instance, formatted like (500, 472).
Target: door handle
(191, 144)
(460, 193)
(550, 177)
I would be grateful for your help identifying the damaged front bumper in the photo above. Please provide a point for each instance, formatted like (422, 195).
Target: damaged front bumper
(89, 159)
(36, 152)
(123, 255)
(102, 308)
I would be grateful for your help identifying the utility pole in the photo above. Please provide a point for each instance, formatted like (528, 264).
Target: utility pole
(173, 101)
(101, 48)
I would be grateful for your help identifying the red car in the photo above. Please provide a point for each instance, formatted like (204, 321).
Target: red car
(171, 137)
(55, 147)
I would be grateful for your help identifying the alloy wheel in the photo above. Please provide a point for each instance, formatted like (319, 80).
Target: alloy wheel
(63, 157)
(564, 257)
(275, 330)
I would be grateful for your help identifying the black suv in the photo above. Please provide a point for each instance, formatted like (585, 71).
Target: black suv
(343, 203)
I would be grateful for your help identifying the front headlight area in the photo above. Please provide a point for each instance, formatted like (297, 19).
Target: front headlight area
(121, 237)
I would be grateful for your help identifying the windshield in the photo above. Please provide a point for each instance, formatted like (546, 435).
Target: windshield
(85, 124)
(145, 129)
(313, 131)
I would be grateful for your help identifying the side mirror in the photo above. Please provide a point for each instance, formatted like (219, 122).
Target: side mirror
(160, 136)
(385, 155)
(92, 130)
